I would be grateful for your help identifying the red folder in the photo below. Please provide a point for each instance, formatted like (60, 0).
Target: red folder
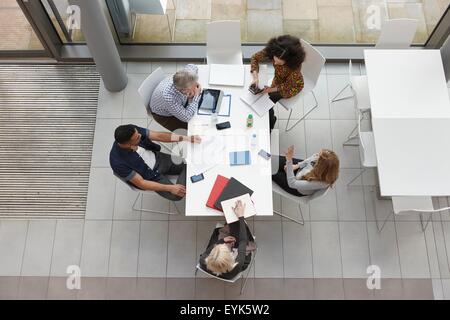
(216, 191)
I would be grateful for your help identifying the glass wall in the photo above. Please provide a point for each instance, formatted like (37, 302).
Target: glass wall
(318, 21)
(16, 33)
(65, 20)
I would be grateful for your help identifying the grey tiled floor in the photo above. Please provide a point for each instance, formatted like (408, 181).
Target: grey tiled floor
(338, 241)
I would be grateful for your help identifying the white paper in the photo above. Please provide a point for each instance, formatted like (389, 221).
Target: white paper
(207, 154)
(228, 205)
(227, 74)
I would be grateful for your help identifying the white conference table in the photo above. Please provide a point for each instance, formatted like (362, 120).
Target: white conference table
(256, 176)
(410, 108)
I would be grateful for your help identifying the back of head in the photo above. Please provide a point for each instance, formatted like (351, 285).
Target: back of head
(184, 79)
(123, 133)
(220, 260)
(287, 48)
(326, 169)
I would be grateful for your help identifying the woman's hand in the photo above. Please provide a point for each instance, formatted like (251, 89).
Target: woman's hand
(270, 89)
(229, 239)
(294, 167)
(255, 81)
(290, 153)
(239, 210)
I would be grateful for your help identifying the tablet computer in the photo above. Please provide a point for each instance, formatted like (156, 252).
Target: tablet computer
(211, 100)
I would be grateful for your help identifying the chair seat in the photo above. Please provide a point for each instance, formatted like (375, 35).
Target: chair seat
(360, 86)
(403, 204)
(368, 152)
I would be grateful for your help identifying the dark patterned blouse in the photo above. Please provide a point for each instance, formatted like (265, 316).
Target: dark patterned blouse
(289, 82)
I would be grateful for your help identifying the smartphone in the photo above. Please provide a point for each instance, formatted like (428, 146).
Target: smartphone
(197, 178)
(223, 125)
(255, 90)
(264, 154)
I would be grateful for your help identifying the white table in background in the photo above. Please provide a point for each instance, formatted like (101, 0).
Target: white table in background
(256, 176)
(410, 109)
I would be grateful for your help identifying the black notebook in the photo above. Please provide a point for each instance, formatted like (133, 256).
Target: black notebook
(232, 190)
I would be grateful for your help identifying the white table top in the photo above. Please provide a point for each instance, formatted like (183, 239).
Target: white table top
(407, 84)
(256, 176)
(410, 109)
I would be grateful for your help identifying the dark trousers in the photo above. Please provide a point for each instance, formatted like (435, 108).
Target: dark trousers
(275, 97)
(170, 123)
(166, 167)
(280, 178)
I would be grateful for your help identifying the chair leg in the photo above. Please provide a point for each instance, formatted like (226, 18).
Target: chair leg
(424, 227)
(303, 117)
(360, 174)
(339, 93)
(141, 195)
(350, 137)
(244, 282)
(302, 221)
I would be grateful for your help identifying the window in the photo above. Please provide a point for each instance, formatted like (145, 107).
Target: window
(317, 21)
(16, 33)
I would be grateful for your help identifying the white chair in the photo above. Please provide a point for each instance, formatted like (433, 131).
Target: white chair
(367, 150)
(360, 94)
(298, 200)
(397, 34)
(142, 193)
(311, 68)
(223, 42)
(239, 275)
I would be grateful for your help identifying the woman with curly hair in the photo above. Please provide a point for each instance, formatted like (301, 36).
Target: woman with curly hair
(287, 55)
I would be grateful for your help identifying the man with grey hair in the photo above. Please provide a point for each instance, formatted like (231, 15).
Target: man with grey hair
(175, 100)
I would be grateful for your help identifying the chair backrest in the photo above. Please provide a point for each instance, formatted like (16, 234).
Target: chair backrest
(409, 203)
(362, 146)
(397, 34)
(149, 85)
(313, 64)
(199, 267)
(223, 39)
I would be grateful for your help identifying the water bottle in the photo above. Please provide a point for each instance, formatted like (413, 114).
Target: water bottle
(250, 121)
(253, 140)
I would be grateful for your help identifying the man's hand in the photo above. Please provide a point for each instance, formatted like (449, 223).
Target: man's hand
(178, 190)
(195, 139)
(198, 90)
(239, 210)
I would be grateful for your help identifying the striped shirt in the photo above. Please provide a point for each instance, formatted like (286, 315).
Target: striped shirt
(168, 101)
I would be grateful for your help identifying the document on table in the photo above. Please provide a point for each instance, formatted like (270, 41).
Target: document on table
(207, 154)
(260, 103)
(227, 74)
(228, 205)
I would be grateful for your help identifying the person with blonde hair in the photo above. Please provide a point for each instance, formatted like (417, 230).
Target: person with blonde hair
(304, 177)
(228, 256)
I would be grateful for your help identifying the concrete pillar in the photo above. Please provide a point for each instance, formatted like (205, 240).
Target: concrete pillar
(101, 44)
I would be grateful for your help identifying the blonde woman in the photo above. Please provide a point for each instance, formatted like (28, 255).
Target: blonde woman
(304, 177)
(227, 257)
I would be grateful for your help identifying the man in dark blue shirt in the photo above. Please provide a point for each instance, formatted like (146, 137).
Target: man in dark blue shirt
(138, 161)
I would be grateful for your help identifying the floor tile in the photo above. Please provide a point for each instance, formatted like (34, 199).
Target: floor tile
(139, 67)
(100, 202)
(326, 250)
(343, 109)
(295, 137)
(322, 112)
(263, 4)
(67, 247)
(103, 141)
(96, 248)
(9, 287)
(336, 30)
(418, 289)
(180, 289)
(182, 249)
(384, 250)
(121, 288)
(356, 289)
(33, 288)
(324, 209)
(93, 289)
(298, 289)
(38, 250)
(190, 31)
(123, 203)
(300, 10)
(268, 289)
(329, 289)
(124, 249)
(348, 156)
(167, 67)
(413, 250)
(151, 288)
(57, 289)
(269, 259)
(133, 106)
(233, 290)
(350, 199)
(210, 289)
(391, 289)
(438, 290)
(153, 249)
(297, 250)
(446, 288)
(355, 249)
(110, 104)
(262, 25)
(13, 236)
(318, 136)
(193, 9)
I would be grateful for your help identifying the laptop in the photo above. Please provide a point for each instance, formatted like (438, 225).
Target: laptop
(210, 101)
(227, 75)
